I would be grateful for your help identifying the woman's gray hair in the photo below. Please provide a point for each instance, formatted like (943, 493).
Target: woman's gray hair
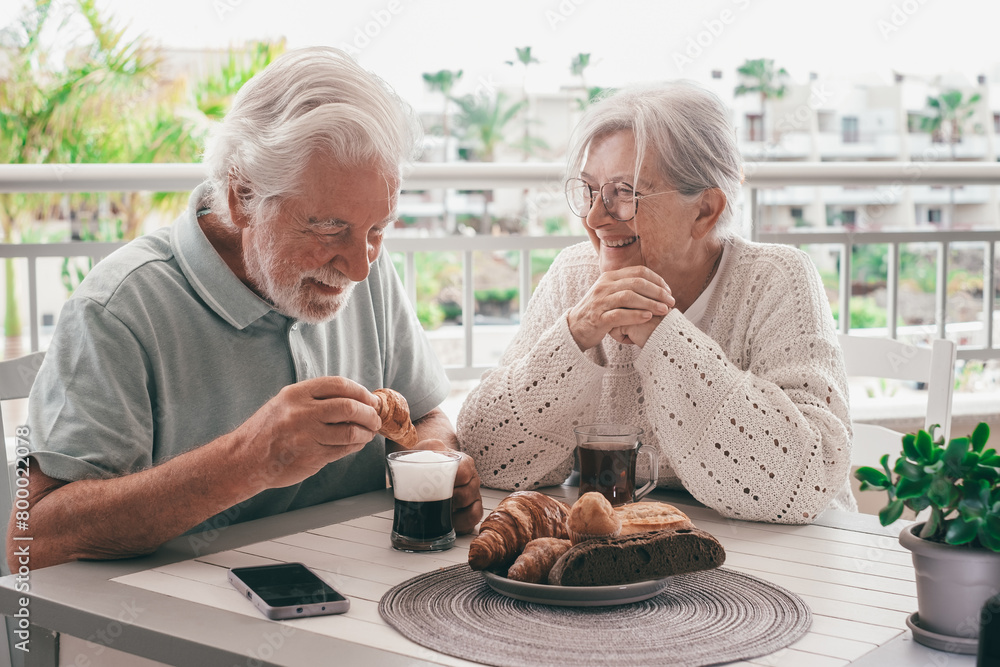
(307, 101)
(685, 126)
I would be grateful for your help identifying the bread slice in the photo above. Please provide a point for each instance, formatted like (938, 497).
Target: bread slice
(639, 557)
(646, 516)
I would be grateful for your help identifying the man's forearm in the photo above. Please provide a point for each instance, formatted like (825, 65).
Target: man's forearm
(134, 514)
(436, 425)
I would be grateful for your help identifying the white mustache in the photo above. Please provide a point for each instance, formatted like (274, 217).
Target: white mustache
(333, 279)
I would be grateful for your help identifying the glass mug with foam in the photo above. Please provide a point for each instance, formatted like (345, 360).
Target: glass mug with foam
(608, 456)
(422, 483)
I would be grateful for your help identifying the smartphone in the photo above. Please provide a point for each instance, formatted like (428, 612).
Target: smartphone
(287, 590)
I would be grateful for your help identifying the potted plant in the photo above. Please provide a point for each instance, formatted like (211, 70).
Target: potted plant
(956, 551)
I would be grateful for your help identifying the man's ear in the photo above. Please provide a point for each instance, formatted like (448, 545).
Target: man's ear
(236, 197)
(711, 206)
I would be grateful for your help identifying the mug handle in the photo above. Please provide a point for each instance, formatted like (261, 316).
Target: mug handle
(654, 471)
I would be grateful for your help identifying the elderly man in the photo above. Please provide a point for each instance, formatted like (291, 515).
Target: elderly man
(221, 370)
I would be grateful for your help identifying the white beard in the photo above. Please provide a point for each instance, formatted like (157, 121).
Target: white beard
(291, 297)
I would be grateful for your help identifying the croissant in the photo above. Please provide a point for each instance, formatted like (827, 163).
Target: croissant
(519, 518)
(537, 559)
(395, 416)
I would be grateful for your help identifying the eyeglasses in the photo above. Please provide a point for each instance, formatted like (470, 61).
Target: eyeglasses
(620, 199)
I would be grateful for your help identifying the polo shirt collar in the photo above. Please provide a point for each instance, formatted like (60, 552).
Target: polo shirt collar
(208, 274)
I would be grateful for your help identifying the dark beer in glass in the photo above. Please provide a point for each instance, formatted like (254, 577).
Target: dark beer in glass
(422, 484)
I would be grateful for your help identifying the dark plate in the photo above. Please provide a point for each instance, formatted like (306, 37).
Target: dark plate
(575, 596)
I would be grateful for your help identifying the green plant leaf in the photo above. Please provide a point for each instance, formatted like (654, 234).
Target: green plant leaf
(890, 512)
(955, 451)
(908, 488)
(992, 524)
(980, 435)
(989, 539)
(924, 445)
(874, 478)
(918, 504)
(885, 465)
(942, 492)
(976, 500)
(961, 531)
(909, 470)
(910, 446)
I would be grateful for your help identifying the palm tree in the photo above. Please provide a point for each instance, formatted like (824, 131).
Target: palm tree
(26, 104)
(759, 76)
(578, 67)
(482, 120)
(214, 94)
(442, 82)
(528, 144)
(949, 112)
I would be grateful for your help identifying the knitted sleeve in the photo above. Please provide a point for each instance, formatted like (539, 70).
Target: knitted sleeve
(517, 423)
(761, 433)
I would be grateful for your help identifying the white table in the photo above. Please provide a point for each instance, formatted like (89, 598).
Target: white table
(177, 606)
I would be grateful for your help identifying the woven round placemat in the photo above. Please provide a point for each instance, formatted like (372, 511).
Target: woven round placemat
(701, 618)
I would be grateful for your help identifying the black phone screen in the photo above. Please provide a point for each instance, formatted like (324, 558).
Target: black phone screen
(287, 585)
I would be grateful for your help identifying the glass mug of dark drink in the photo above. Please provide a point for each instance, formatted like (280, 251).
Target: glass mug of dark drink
(608, 456)
(422, 484)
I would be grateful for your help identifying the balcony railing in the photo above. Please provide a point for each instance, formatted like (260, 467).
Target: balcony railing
(548, 177)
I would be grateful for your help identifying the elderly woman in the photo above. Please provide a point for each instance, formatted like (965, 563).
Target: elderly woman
(723, 351)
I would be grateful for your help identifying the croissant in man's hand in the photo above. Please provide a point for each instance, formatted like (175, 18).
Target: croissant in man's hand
(395, 415)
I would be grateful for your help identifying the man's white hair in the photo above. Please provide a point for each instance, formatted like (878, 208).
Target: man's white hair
(685, 127)
(309, 100)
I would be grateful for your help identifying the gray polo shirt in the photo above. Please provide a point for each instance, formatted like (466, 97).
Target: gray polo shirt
(162, 349)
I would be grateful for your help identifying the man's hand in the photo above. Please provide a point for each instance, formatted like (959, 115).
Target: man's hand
(306, 426)
(621, 298)
(466, 502)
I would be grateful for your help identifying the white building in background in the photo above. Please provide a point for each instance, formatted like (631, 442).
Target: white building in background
(825, 120)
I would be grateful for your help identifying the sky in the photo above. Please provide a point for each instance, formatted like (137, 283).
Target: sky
(629, 40)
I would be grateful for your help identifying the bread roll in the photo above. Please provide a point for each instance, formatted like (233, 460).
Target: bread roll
(643, 517)
(593, 516)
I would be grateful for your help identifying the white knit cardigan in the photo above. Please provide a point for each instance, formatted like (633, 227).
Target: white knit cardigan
(750, 414)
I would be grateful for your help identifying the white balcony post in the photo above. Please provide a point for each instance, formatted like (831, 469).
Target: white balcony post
(989, 288)
(524, 288)
(410, 276)
(468, 304)
(941, 289)
(33, 301)
(845, 287)
(892, 289)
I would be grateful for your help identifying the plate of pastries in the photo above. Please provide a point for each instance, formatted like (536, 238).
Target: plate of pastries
(536, 548)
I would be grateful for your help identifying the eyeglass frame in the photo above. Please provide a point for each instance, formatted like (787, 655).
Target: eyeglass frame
(636, 197)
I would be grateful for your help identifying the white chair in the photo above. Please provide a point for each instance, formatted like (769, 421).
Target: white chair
(16, 378)
(891, 359)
